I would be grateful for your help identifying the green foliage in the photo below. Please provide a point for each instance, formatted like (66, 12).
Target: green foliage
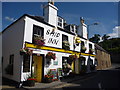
(111, 45)
(105, 37)
(95, 38)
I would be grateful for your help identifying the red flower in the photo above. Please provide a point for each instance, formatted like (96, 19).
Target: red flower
(51, 55)
(31, 79)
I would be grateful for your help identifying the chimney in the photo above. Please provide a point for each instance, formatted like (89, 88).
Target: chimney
(50, 13)
(81, 20)
(82, 29)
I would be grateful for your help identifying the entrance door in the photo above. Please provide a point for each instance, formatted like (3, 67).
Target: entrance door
(37, 68)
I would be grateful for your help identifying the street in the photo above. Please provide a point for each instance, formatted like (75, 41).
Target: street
(103, 80)
(100, 80)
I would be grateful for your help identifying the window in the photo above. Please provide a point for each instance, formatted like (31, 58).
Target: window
(82, 60)
(73, 28)
(64, 38)
(96, 62)
(90, 49)
(9, 68)
(65, 65)
(65, 43)
(83, 48)
(11, 60)
(2, 60)
(59, 22)
(37, 32)
(82, 44)
(91, 62)
(90, 46)
(26, 63)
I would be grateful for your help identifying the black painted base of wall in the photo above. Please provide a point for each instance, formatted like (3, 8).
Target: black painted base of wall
(9, 82)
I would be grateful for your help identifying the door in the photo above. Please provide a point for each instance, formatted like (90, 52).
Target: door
(38, 68)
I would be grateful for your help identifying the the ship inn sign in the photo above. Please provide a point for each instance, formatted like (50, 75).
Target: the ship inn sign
(53, 37)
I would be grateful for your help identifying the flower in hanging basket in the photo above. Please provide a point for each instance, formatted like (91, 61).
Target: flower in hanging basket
(72, 57)
(66, 45)
(51, 55)
(31, 79)
(38, 40)
(83, 49)
(91, 51)
(25, 51)
(77, 40)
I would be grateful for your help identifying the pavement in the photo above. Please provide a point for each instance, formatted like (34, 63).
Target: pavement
(63, 81)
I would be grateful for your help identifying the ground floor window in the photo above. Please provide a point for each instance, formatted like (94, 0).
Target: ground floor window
(26, 63)
(66, 65)
(9, 68)
(82, 59)
(83, 67)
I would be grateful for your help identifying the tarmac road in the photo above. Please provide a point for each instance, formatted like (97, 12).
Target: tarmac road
(103, 80)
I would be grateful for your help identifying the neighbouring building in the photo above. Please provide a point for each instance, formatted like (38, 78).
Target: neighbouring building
(103, 58)
(34, 45)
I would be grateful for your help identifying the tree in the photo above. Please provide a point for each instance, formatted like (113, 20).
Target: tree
(95, 38)
(105, 37)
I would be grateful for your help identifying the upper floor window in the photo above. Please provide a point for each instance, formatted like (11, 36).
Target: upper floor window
(91, 49)
(64, 38)
(38, 35)
(38, 31)
(65, 43)
(60, 22)
(73, 28)
(83, 48)
(90, 46)
(82, 43)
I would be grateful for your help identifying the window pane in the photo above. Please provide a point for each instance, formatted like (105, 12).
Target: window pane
(90, 46)
(38, 30)
(64, 37)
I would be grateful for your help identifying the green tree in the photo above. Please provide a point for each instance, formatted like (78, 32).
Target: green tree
(95, 38)
(105, 37)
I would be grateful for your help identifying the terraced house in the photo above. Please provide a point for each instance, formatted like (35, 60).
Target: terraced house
(37, 45)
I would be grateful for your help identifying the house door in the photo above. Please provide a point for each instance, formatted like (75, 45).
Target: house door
(37, 68)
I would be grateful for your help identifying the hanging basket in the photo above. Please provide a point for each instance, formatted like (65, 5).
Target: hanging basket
(25, 50)
(38, 40)
(77, 40)
(83, 49)
(66, 45)
(51, 55)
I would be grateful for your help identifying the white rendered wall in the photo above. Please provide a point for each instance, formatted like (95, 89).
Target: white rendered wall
(12, 41)
(28, 34)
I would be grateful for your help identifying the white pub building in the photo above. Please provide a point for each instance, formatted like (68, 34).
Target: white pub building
(34, 45)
